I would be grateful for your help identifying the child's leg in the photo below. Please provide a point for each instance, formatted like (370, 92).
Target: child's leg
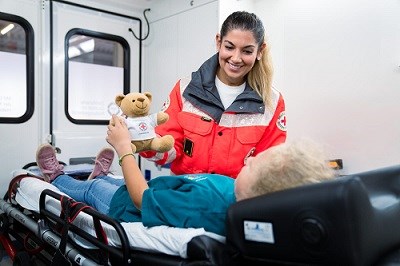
(96, 192)
(112, 180)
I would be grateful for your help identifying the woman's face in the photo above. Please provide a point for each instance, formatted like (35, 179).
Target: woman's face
(238, 52)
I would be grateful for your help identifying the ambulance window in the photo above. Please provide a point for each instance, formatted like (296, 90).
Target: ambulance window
(97, 69)
(16, 69)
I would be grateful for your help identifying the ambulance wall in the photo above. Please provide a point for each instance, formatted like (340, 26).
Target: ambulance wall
(338, 66)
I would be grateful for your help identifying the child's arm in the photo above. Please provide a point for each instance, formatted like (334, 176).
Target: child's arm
(118, 136)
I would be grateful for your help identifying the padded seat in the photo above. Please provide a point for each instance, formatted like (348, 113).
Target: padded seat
(351, 220)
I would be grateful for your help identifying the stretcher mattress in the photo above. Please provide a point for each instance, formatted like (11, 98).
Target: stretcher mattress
(164, 239)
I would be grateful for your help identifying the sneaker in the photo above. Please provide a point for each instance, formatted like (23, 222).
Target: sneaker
(102, 163)
(47, 162)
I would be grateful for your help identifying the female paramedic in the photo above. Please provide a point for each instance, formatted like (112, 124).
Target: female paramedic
(228, 110)
(186, 201)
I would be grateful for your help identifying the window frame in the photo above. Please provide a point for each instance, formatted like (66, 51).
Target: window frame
(126, 71)
(30, 69)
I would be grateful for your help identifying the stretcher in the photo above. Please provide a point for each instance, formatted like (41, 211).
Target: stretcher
(78, 231)
(351, 220)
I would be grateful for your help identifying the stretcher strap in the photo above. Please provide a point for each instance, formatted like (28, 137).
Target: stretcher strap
(65, 213)
(70, 209)
(10, 195)
(59, 257)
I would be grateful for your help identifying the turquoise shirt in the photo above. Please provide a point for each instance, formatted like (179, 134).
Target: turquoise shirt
(186, 201)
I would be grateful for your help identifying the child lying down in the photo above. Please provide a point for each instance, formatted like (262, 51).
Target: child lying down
(185, 201)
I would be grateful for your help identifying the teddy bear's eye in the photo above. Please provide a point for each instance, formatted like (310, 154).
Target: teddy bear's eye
(133, 100)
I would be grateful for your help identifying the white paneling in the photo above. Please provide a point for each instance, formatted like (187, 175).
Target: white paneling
(161, 10)
(19, 141)
(226, 7)
(337, 64)
(127, 7)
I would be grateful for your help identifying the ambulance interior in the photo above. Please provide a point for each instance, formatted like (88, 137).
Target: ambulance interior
(337, 64)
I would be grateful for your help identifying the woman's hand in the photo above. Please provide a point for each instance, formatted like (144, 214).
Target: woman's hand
(118, 136)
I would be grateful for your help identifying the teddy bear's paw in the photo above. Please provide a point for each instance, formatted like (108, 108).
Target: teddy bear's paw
(162, 144)
(133, 148)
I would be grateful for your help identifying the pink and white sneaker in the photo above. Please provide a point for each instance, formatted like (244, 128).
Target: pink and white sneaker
(47, 162)
(102, 163)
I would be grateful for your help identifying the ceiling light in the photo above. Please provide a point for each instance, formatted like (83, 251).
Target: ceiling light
(7, 29)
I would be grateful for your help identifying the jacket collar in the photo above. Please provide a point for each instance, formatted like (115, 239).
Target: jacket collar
(203, 94)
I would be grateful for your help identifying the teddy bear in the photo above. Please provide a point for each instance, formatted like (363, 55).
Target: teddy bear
(135, 107)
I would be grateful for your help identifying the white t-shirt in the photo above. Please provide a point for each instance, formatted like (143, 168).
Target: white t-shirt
(228, 93)
(142, 128)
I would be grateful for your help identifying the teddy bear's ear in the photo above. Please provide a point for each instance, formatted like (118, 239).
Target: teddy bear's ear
(119, 98)
(148, 95)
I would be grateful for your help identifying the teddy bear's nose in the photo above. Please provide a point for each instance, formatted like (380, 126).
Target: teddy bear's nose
(140, 99)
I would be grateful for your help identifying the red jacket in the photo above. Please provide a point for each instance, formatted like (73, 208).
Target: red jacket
(209, 139)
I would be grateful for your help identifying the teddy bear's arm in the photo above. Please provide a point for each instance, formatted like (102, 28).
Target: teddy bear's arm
(162, 118)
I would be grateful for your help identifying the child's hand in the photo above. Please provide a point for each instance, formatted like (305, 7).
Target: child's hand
(118, 135)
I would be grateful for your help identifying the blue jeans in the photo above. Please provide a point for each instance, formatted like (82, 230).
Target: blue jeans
(96, 192)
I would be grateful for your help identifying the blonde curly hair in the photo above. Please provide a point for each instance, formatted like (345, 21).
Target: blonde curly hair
(290, 165)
